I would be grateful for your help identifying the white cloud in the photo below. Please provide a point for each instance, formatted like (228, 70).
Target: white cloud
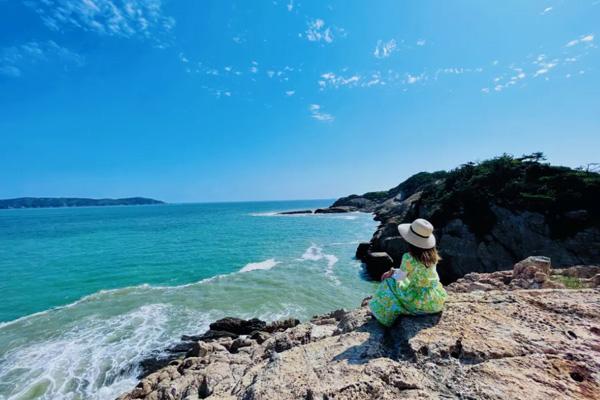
(384, 49)
(421, 42)
(15, 59)
(123, 18)
(543, 66)
(547, 10)
(10, 71)
(290, 6)
(330, 79)
(316, 113)
(583, 39)
(412, 79)
(316, 31)
(290, 93)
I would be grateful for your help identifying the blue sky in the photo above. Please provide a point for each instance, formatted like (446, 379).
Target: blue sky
(187, 100)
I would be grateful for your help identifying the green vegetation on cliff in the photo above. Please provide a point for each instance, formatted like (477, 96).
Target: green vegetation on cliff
(569, 198)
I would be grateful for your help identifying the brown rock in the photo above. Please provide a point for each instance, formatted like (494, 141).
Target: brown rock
(485, 345)
(527, 268)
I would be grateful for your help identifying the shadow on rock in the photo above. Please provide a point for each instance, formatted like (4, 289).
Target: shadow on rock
(392, 342)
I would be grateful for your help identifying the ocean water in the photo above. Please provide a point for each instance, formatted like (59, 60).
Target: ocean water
(86, 293)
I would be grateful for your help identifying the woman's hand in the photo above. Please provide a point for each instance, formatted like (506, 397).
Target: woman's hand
(387, 274)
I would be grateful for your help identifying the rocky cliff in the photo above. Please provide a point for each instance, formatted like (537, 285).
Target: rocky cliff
(489, 215)
(512, 343)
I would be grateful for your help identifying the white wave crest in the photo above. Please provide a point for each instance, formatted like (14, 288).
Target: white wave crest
(265, 265)
(97, 359)
(315, 253)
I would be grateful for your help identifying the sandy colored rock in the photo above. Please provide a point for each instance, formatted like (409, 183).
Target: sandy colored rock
(533, 344)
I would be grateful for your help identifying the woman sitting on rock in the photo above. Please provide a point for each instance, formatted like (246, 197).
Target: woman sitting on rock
(415, 287)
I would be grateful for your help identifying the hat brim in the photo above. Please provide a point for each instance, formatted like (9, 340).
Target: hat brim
(415, 240)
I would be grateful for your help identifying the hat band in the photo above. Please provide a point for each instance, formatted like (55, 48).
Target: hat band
(421, 236)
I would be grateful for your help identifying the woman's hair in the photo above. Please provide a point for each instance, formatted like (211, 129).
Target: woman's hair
(428, 257)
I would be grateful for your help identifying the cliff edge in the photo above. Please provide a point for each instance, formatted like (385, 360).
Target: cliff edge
(487, 344)
(488, 215)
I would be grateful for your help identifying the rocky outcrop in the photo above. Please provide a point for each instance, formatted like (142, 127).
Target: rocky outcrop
(335, 210)
(295, 212)
(508, 344)
(531, 273)
(490, 215)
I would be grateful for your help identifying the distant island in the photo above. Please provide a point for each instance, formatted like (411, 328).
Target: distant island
(44, 202)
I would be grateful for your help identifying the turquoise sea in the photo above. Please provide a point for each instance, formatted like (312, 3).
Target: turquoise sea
(89, 292)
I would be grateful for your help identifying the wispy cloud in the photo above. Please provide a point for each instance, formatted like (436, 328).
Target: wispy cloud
(384, 49)
(239, 39)
(14, 60)
(330, 79)
(544, 65)
(547, 10)
(290, 93)
(585, 39)
(412, 79)
(316, 31)
(318, 114)
(123, 18)
(290, 6)
(421, 42)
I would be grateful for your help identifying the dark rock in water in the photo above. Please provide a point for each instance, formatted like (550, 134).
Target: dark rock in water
(238, 326)
(152, 364)
(362, 250)
(295, 212)
(212, 334)
(182, 347)
(281, 325)
(377, 263)
(395, 246)
(334, 210)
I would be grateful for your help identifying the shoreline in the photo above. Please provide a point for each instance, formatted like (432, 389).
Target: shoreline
(346, 354)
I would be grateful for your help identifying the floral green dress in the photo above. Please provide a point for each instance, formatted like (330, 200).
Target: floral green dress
(419, 293)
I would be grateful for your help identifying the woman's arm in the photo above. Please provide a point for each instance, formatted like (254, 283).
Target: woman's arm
(387, 274)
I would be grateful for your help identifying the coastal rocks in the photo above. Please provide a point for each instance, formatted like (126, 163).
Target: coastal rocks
(335, 210)
(532, 268)
(489, 215)
(531, 273)
(377, 263)
(238, 326)
(357, 202)
(362, 250)
(227, 334)
(534, 344)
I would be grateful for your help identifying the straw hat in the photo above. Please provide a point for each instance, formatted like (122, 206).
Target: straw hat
(419, 233)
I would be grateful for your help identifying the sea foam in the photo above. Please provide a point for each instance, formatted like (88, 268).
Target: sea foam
(265, 265)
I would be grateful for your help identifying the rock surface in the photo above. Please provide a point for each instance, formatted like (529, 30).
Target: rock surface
(534, 344)
(335, 210)
(486, 344)
(295, 212)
